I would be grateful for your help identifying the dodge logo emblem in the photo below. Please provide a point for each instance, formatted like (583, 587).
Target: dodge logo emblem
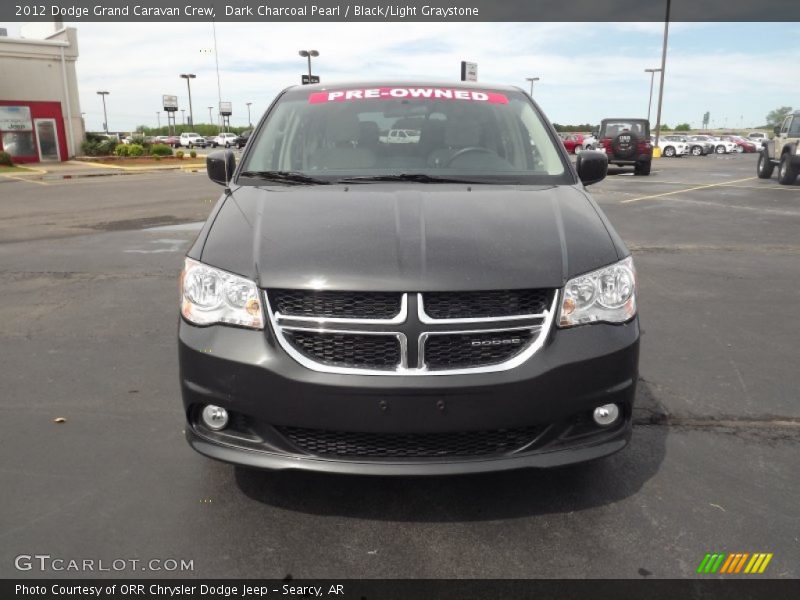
(497, 342)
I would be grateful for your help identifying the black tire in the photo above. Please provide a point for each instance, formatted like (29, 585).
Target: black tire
(765, 167)
(669, 151)
(642, 168)
(720, 149)
(787, 172)
(697, 151)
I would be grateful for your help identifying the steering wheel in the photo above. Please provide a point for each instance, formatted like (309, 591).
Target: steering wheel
(466, 150)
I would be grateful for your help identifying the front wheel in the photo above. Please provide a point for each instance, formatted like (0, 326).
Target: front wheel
(697, 151)
(669, 151)
(739, 149)
(765, 166)
(720, 149)
(787, 172)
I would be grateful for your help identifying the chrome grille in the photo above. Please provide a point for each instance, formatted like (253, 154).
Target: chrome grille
(333, 304)
(458, 444)
(398, 334)
(459, 350)
(347, 349)
(487, 304)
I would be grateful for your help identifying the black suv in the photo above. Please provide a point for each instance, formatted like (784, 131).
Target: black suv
(451, 304)
(627, 142)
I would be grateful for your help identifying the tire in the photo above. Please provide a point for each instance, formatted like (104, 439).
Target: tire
(642, 168)
(765, 166)
(720, 149)
(577, 149)
(787, 172)
(589, 147)
(669, 151)
(740, 149)
(697, 151)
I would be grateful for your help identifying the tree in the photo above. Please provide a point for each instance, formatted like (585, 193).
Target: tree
(683, 127)
(776, 117)
(665, 127)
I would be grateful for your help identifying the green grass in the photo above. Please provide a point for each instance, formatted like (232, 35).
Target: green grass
(13, 169)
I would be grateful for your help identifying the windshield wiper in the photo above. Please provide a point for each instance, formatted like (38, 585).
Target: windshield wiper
(290, 177)
(417, 177)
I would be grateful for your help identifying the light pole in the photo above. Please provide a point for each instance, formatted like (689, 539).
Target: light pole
(210, 118)
(532, 79)
(663, 67)
(188, 77)
(249, 122)
(183, 116)
(650, 102)
(158, 116)
(105, 116)
(308, 54)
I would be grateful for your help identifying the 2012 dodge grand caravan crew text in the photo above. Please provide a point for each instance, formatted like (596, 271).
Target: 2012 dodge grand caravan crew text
(453, 305)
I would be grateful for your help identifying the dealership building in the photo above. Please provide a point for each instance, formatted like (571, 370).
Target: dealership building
(40, 114)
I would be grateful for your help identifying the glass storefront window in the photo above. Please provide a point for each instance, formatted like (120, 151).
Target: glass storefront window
(18, 143)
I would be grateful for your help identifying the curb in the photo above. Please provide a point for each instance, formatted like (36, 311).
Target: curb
(114, 171)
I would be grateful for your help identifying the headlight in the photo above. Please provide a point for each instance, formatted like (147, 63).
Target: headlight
(606, 295)
(210, 295)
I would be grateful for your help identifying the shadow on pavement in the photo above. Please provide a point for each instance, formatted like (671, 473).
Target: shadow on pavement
(474, 497)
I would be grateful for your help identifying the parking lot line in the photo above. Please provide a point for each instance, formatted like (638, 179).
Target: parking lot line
(691, 189)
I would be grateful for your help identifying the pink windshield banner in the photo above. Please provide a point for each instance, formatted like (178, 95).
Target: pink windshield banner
(411, 93)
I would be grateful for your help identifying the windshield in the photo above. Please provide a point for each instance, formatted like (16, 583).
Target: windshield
(614, 128)
(448, 134)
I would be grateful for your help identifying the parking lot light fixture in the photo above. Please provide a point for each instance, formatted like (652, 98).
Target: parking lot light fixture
(308, 54)
(103, 95)
(652, 77)
(532, 79)
(188, 77)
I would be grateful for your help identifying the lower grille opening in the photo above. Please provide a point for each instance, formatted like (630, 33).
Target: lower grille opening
(348, 350)
(460, 444)
(463, 350)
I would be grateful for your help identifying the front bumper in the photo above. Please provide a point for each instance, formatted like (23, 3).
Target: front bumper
(249, 374)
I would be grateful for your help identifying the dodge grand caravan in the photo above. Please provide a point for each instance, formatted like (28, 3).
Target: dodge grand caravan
(454, 305)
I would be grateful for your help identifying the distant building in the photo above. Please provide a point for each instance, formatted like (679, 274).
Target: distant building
(40, 113)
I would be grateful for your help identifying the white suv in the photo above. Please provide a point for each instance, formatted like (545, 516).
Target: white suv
(190, 140)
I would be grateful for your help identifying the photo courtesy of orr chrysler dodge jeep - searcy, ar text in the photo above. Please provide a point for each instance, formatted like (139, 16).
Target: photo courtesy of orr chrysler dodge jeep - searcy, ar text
(456, 303)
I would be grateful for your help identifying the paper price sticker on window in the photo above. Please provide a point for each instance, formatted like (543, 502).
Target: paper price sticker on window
(403, 93)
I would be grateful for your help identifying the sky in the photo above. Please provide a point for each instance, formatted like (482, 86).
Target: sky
(588, 71)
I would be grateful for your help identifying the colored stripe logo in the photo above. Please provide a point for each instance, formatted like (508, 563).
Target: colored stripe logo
(735, 563)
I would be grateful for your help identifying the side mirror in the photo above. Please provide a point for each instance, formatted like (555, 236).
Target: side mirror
(220, 166)
(592, 166)
(777, 130)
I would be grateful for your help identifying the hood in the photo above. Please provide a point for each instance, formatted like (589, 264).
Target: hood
(408, 237)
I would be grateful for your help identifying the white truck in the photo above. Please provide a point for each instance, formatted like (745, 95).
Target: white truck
(400, 136)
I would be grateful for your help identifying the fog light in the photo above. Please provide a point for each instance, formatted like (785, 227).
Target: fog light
(215, 417)
(606, 415)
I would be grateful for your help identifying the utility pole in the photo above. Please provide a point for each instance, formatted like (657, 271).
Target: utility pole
(158, 116)
(663, 68)
(650, 102)
(210, 118)
(249, 122)
(183, 116)
(105, 115)
(188, 77)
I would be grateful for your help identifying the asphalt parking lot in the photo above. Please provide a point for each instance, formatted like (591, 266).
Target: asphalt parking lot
(88, 311)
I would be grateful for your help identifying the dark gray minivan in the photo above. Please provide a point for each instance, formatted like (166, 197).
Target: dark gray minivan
(456, 303)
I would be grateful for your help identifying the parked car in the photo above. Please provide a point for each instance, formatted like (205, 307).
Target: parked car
(671, 145)
(190, 140)
(700, 145)
(783, 151)
(720, 146)
(243, 137)
(320, 332)
(758, 137)
(226, 139)
(577, 142)
(742, 144)
(627, 142)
